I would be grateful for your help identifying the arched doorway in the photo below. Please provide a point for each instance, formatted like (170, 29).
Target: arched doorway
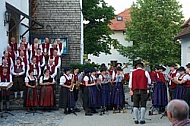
(13, 32)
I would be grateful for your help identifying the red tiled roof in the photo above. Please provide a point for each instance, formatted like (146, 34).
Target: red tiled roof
(185, 30)
(120, 25)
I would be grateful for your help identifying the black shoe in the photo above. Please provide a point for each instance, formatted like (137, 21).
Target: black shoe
(142, 122)
(8, 109)
(66, 112)
(136, 122)
(88, 114)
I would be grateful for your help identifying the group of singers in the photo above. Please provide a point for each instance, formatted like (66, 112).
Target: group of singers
(29, 66)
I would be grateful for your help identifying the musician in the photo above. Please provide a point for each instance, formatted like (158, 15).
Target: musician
(186, 81)
(13, 44)
(160, 99)
(34, 66)
(60, 46)
(18, 72)
(23, 58)
(88, 93)
(47, 97)
(31, 90)
(34, 46)
(138, 83)
(172, 84)
(9, 59)
(11, 53)
(22, 48)
(46, 48)
(40, 59)
(6, 77)
(25, 43)
(66, 100)
(180, 88)
(105, 92)
(118, 92)
(5, 64)
(76, 88)
(54, 46)
(52, 68)
(56, 58)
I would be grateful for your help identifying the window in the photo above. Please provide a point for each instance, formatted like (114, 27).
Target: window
(119, 18)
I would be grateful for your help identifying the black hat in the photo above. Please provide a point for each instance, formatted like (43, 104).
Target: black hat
(161, 68)
(119, 69)
(87, 70)
(172, 65)
(75, 67)
(67, 69)
(93, 70)
(139, 63)
(103, 69)
(188, 65)
(181, 68)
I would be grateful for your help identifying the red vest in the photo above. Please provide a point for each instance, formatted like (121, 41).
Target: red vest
(7, 76)
(12, 55)
(32, 67)
(24, 52)
(15, 68)
(139, 80)
(75, 78)
(51, 51)
(60, 46)
(45, 45)
(56, 59)
(13, 46)
(173, 85)
(24, 60)
(8, 61)
(52, 68)
(68, 82)
(159, 77)
(39, 59)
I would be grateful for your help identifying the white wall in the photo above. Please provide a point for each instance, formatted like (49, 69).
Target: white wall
(22, 5)
(103, 58)
(185, 51)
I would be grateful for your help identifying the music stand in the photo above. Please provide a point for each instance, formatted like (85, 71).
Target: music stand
(4, 86)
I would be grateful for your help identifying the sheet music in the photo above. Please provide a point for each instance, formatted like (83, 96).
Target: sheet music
(4, 84)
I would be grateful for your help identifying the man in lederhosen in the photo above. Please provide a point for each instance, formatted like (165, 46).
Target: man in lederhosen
(18, 72)
(138, 83)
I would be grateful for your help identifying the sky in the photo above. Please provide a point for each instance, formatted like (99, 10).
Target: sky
(121, 5)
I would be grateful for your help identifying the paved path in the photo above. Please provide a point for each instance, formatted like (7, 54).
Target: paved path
(110, 119)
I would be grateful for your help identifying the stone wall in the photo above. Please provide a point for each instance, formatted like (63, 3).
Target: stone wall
(61, 18)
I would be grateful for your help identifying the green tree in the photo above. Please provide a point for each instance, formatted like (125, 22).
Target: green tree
(153, 25)
(96, 32)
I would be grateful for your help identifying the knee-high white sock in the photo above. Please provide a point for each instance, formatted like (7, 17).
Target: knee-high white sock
(21, 94)
(135, 110)
(143, 110)
(15, 93)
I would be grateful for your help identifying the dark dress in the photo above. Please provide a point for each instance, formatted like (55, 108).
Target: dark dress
(66, 99)
(47, 94)
(160, 91)
(31, 94)
(117, 94)
(180, 89)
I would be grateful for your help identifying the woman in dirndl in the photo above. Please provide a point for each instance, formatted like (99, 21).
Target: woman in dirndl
(105, 82)
(180, 89)
(31, 98)
(117, 95)
(160, 90)
(66, 99)
(89, 96)
(47, 97)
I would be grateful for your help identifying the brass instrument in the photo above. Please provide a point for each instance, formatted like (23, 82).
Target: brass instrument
(72, 84)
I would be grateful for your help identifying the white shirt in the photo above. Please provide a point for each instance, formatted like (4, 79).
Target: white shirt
(21, 73)
(44, 78)
(11, 80)
(146, 74)
(27, 80)
(63, 79)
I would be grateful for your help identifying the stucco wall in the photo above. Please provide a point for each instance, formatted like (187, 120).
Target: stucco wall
(185, 51)
(19, 4)
(103, 58)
